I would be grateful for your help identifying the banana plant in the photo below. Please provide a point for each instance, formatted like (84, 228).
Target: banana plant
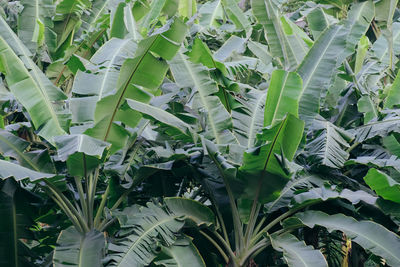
(79, 157)
(176, 133)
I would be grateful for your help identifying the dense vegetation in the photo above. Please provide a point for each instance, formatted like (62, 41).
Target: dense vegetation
(209, 133)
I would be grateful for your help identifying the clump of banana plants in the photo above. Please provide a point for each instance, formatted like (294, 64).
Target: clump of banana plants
(199, 133)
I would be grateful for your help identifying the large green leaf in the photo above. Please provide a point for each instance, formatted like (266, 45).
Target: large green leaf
(219, 122)
(81, 152)
(260, 164)
(357, 23)
(385, 11)
(153, 14)
(92, 16)
(187, 8)
(200, 53)
(362, 49)
(323, 193)
(75, 249)
(392, 144)
(393, 96)
(233, 45)
(66, 7)
(9, 169)
(383, 185)
(191, 210)
(226, 170)
(34, 23)
(236, 15)
(131, 24)
(101, 80)
(118, 28)
(161, 116)
(15, 147)
(376, 161)
(318, 68)
(370, 235)
(209, 14)
(283, 37)
(318, 21)
(368, 107)
(147, 225)
(14, 225)
(283, 96)
(330, 144)
(377, 128)
(288, 192)
(260, 51)
(79, 143)
(31, 87)
(181, 254)
(68, 14)
(381, 47)
(330, 50)
(249, 120)
(297, 253)
(139, 79)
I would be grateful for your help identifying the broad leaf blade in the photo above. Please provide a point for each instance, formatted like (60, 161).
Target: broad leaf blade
(34, 22)
(137, 82)
(370, 235)
(283, 96)
(188, 74)
(182, 253)
(383, 185)
(249, 120)
(330, 145)
(317, 70)
(190, 209)
(102, 79)
(147, 224)
(297, 253)
(31, 87)
(81, 152)
(283, 37)
(9, 169)
(15, 147)
(75, 249)
(260, 165)
(161, 116)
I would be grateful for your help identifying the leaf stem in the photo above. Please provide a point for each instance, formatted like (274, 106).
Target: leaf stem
(255, 209)
(222, 223)
(79, 186)
(274, 222)
(259, 246)
(67, 212)
(215, 244)
(101, 207)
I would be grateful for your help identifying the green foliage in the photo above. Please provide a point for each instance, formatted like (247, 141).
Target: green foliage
(204, 133)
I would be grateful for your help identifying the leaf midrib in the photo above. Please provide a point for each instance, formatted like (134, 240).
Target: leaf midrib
(251, 132)
(305, 85)
(281, 93)
(126, 86)
(370, 240)
(99, 13)
(290, 188)
(21, 154)
(33, 69)
(111, 62)
(298, 255)
(274, 142)
(141, 236)
(202, 97)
